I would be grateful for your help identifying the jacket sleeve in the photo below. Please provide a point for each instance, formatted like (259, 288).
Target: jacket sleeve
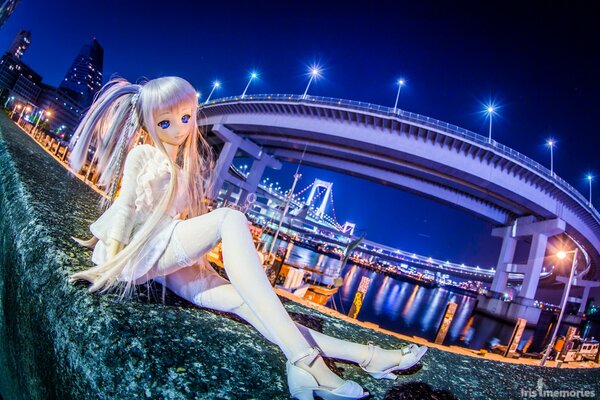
(118, 220)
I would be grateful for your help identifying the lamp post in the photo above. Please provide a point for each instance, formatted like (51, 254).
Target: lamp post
(28, 108)
(216, 85)
(42, 112)
(400, 84)
(8, 99)
(590, 178)
(285, 210)
(490, 110)
(253, 76)
(297, 175)
(314, 72)
(15, 107)
(562, 255)
(550, 144)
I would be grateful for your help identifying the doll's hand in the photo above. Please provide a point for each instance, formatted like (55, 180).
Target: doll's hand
(86, 243)
(114, 247)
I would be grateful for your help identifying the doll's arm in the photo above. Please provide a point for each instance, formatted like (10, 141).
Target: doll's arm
(117, 222)
(114, 247)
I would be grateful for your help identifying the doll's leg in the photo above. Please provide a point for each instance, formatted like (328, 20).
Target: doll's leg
(205, 287)
(208, 289)
(197, 235)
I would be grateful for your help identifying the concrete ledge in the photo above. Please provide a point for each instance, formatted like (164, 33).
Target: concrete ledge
(58, 341)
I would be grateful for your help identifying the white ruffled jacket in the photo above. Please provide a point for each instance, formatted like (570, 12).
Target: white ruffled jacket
(145, 178)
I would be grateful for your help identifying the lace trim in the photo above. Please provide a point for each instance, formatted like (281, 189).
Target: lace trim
(180, 254)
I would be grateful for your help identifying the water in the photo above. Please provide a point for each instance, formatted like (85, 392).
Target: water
(415, 310)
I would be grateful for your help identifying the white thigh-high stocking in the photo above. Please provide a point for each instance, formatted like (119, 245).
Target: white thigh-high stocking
(206, 288)
(243, 267)
(330, 346)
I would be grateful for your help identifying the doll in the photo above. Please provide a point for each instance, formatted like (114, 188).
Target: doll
(159, 228)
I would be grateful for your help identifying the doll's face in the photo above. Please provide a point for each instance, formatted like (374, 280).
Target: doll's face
(174, 125)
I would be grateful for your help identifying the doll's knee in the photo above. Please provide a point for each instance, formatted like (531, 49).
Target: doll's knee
(224, 298)
(232, 215)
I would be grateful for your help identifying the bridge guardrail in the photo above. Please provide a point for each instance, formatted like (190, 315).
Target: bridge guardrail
(421, 119)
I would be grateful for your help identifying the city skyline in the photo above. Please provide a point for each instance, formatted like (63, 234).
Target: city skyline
(444, 80)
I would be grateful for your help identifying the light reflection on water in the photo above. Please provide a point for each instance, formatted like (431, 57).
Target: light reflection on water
(415, 310)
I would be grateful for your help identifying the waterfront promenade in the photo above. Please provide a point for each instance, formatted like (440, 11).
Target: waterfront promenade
(60, 341)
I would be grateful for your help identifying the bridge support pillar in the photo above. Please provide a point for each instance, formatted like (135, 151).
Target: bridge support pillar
(222, 167)
(578, 282)
(233, 143)
(256, 172)
(523, 305)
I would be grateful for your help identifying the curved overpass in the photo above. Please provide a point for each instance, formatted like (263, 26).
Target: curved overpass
(412, 152)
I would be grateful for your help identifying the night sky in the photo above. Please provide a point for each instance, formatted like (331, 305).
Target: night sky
(538, 62)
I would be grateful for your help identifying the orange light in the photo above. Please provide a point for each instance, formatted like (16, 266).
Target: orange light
(561, 254)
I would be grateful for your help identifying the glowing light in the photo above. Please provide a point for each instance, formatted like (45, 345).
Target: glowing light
(216, 85)
(490, 109)
(253, 75)
(314, 72)
(561, 254)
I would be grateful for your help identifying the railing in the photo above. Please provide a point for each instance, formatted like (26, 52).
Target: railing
(442, 126)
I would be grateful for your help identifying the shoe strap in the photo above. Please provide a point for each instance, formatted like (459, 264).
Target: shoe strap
(313, 352)
(406, 350)
(370, 354)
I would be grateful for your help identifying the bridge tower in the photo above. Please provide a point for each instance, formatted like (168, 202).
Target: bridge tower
(319, 184)
(348, 227)
(523, 305)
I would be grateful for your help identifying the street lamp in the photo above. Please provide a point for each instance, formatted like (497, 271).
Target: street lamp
(216, 85)
(590, 178)
(314, 72)
(28, 108)
(400, 84)
(42, 112)
(8, 100)
(561, 255)
(550, 144)
(253, 76)
(15, 107)
(490, 110)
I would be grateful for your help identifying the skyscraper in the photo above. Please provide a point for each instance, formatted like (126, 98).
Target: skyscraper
(6, 8)
(84, 78)
(15, 75)
(20, 44)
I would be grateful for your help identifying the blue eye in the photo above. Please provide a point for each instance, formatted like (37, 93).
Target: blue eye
(164, 124)
(185, 118)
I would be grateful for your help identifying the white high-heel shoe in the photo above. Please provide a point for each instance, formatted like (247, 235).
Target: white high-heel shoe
(304, 386)
(411, 355)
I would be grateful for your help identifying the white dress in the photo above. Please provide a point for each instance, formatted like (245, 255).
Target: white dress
(146, 177)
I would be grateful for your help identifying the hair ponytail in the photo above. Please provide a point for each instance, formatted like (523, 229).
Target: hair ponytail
(110, 127)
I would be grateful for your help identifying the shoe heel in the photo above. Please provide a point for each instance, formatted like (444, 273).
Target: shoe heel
(305, 395)
(383, 375)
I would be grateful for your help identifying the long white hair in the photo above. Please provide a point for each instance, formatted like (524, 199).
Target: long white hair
(120, 113)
